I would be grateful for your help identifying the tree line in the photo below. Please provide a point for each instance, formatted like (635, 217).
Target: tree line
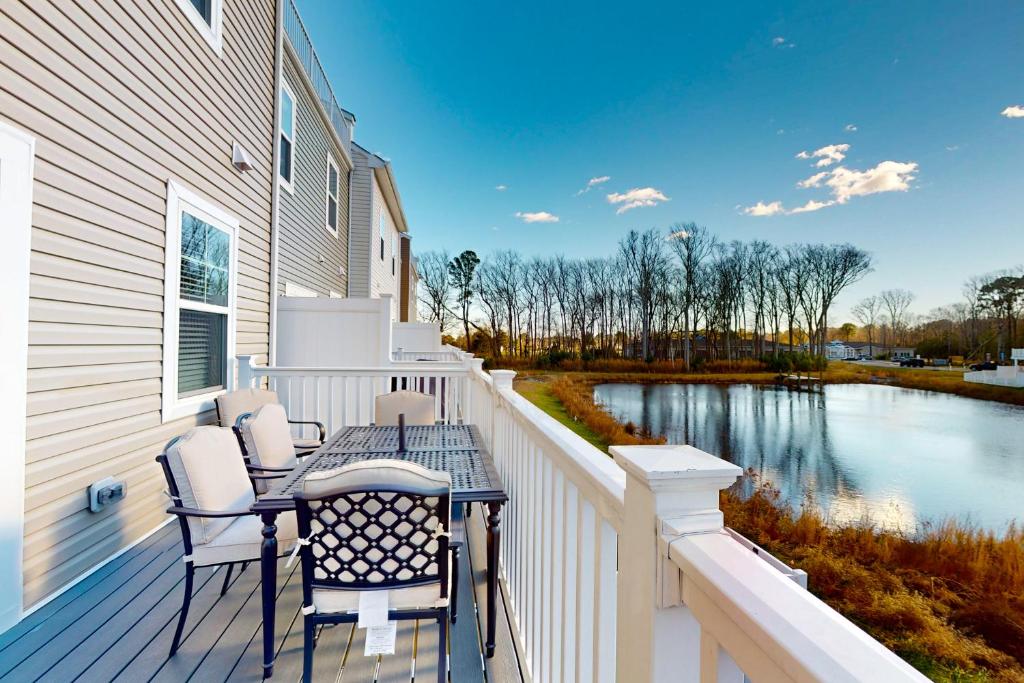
(680, 293)
(985, 321)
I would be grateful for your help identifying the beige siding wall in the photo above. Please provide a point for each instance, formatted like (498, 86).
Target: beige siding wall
(362, 228)
(310, 255)
(122, 95)
(384, 279)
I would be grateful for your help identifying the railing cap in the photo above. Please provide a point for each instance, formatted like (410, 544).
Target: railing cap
(662, 465)
(503, 378)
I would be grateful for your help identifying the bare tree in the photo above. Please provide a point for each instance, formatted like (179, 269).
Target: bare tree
(867, 312)
(645, 262)
(896, 302)
(693, 244)
(460, 273)
(435, 291)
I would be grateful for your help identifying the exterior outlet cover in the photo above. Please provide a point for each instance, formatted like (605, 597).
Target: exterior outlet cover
(106, 491)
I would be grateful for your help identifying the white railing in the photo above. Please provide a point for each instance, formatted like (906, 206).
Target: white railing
(614, 570)
(340, 397)
(559, 551)
(301, 44)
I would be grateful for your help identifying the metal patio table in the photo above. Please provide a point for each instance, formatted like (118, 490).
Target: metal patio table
(458, 450)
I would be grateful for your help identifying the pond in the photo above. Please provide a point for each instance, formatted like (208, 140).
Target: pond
(898, 457)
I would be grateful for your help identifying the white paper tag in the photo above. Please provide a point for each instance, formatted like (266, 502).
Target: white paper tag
(373, 608)
(380, 640)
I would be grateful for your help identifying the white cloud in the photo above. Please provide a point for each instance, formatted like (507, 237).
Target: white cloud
(813, 181)
(850, 128)
(827, 155)
(599, 180)
(501, 188)
(536, 217)
(812, 205)
(677, 235)
(1015, 111)
(762, 209)
(952, 148)
(779, 41)
(888, 176)
(637, 197)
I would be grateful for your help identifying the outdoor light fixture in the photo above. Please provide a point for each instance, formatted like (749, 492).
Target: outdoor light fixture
(240, 159)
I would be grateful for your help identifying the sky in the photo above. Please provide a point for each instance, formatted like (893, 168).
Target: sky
(557, 127)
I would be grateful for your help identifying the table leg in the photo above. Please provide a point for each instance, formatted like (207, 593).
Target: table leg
(268, 577)
(493, 545)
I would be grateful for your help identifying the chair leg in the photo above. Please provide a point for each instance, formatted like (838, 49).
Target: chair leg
(186, 601)
(227, 579)
(442, 648)
(307, 649)
(454, 588)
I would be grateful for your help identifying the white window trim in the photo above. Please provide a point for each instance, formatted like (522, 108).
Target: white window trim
(178, 198)
(212, 33)
(288, 184)
(327, 197)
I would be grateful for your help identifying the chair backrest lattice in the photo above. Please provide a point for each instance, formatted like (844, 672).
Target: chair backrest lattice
(375, 539)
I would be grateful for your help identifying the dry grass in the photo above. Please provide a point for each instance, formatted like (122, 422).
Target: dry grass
(950, 599)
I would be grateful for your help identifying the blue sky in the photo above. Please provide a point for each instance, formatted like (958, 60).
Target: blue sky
(703, 110)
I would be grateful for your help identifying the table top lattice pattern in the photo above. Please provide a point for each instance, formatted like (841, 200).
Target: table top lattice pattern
(417, 438)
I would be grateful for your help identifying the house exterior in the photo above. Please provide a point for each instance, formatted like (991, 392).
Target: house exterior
(149, 268)
(409, 284)
(837, 350)
(314, 174)
(378, 221)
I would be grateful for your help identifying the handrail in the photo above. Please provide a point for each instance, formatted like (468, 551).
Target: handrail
(768, 624)
(302, 45)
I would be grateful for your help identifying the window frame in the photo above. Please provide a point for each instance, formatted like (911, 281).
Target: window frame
(394, 254)
(331, 163)
(290, 183)
(212, 33)
(180, 199)
(380, 230)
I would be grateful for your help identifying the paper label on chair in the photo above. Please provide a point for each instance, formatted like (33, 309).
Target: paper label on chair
(373, 608)
(380, 640)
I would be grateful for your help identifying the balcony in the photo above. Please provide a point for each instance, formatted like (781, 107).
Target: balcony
(610, 569)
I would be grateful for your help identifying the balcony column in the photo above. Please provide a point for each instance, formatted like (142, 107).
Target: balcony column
(245, 372)
(500, 379)
(671, 491)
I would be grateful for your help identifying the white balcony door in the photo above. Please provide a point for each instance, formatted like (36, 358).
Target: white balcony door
(17, 151)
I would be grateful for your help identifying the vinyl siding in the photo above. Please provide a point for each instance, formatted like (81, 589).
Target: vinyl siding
(362, 228)
(303, 219)
(383, 281)
(121, 96)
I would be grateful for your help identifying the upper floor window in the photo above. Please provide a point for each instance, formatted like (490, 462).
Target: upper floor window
(333, 185)
(207, 18)
(394, 254)
(199, 302)
(287, 138)
(382, 231)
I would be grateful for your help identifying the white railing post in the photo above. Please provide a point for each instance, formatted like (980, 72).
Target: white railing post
(672, 487)
(245, 372)
(500, 379)
(385, 329)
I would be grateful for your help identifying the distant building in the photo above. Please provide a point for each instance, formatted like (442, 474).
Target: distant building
(837, 350)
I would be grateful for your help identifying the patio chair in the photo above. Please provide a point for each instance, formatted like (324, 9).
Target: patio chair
(232, 405)
(266, 443)
(418, 408)
(211, 493)
(375, 525)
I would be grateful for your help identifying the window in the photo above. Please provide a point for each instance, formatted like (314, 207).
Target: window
(206, 16)
(287, 138)
(394, 254)
(199, 303)
(381, 229)
(333, 183)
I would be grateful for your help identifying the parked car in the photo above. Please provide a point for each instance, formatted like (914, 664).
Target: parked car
(985, 365)
(912, 363)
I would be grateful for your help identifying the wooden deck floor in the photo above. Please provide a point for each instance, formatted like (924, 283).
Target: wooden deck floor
(117, 624)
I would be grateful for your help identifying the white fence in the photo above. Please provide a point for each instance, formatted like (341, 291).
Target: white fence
(614, 570)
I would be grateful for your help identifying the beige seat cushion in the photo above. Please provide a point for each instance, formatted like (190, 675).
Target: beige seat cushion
(306, 444)
(242, 540)
(380, 474)
(268, 440)
(328, 601)
(210, 474)
(418, 408)
(235, 403)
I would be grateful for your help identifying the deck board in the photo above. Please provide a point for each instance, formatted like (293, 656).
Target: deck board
(117, 624)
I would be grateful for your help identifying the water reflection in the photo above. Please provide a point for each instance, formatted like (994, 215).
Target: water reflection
(895, 456)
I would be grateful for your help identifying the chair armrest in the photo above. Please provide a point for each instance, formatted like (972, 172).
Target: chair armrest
(319, 426)
(195, 512)
(263, 477)
(261, 468)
